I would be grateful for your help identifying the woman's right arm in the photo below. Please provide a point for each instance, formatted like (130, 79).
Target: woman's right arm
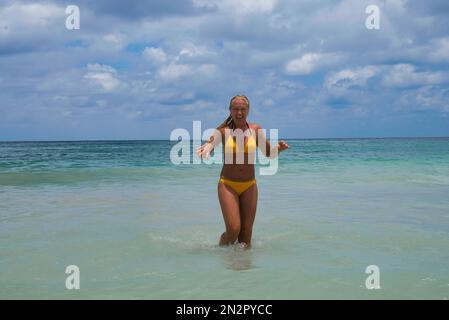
(206, 149)
(216, 138)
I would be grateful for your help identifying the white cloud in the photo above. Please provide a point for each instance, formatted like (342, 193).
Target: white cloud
(397, 5)
(204, 3)
(173, 71)
(439, 50)
(103, 76)
(191, 53)
(194, 51)
(253, 6)
(304, 65)
(197, 105)
(351, 77)
(425, 98)
(207, 69)
(396, 76)
(114, 41)
(154, 54)
(310, 62)
(96, 67)
(25, 26)
(191, 50)
(404, 75)
(31, 16)
(247, 7)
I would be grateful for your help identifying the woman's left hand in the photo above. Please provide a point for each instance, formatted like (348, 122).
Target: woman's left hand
(282, 146)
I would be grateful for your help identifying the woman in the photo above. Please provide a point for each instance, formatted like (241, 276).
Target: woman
(237, 188)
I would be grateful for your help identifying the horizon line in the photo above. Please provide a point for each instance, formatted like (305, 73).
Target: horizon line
(323, 138)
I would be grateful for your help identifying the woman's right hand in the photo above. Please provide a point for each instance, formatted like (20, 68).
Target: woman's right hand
(205, 150)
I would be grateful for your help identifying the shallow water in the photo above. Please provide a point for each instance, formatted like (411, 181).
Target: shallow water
(139, 227)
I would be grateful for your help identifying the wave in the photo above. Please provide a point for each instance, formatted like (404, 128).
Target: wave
(75, 176)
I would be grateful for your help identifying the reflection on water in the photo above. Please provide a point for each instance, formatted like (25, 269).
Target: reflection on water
(238, 257)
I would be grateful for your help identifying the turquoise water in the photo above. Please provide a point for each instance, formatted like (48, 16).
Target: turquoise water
(139, 227)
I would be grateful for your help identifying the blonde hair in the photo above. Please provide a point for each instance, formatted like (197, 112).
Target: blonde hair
(229, 122)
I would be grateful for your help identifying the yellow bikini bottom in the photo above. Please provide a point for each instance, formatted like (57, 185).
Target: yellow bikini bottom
(238, 186)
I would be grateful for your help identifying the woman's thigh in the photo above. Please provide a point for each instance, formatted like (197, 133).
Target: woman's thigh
(229, 202)
(248, 206)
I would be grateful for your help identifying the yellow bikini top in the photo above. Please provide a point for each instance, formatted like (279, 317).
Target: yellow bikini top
(249, 147)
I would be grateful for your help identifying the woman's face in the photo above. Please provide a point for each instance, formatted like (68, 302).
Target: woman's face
(239, 110)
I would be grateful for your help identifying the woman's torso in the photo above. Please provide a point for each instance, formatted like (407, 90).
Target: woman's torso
(242, 170)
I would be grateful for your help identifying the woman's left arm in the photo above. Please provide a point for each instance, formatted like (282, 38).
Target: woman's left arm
(265, 146)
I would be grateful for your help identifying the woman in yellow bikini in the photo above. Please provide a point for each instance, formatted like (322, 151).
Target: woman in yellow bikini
(237, 188)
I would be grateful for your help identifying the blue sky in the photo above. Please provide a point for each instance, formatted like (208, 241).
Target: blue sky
(139, 69)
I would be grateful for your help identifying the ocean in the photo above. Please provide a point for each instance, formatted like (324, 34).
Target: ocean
(139, 227)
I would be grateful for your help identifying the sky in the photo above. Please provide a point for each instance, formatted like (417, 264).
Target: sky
(140, 69)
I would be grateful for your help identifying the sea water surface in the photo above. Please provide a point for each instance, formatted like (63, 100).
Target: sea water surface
(139, 227)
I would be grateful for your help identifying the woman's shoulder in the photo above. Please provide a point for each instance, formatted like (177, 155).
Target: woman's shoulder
(254, 126)
(222, 131)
